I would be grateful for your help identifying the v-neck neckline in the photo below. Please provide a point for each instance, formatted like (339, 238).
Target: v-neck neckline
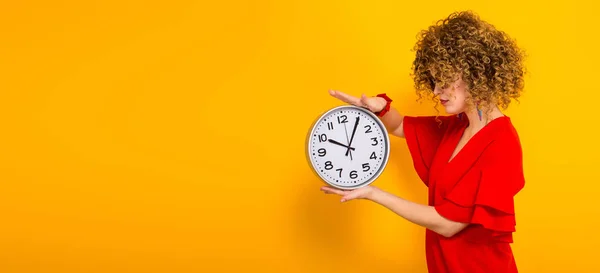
(456, 140)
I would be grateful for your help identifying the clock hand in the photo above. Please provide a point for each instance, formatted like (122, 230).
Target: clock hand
(353, 132)
(347, 140)
(335, 142)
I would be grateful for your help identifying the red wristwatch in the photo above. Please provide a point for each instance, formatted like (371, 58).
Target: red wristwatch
(387, 105)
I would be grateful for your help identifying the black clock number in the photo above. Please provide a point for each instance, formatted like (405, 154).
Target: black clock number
(330, 125)
(368, 129)
(340, 171)
(353, 174)
(366, 166)
(373, 156)
(328, 165)
(322, 137)
(342, 119)
(322, 152)
(376, 142)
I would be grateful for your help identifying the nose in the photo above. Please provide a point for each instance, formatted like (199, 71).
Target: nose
(437, 91)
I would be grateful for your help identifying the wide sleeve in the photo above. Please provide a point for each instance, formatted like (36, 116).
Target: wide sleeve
(423, 135)
(485, 195)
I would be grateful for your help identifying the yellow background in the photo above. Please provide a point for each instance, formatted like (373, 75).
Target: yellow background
(168, 136)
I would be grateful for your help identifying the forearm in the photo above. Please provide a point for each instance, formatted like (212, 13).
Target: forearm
(393, 122)
(425, 216)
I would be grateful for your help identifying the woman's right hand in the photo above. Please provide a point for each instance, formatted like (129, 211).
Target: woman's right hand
(374, 104)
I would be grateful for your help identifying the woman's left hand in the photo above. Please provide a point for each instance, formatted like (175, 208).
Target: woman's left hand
(360, 193)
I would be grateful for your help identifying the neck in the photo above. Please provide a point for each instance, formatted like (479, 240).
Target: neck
(475, 123)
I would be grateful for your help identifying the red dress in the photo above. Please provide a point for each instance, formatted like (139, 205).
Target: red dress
(477, 186)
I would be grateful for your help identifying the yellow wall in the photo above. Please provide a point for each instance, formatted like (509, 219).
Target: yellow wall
(145, 137)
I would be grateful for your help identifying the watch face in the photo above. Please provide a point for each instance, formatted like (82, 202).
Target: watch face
(348, 147)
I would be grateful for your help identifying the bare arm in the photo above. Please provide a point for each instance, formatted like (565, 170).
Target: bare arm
(422, 215)
(425, 216)
(393, 121)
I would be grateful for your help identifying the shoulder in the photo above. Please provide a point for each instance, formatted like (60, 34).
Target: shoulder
(505, 141)
(502, 161)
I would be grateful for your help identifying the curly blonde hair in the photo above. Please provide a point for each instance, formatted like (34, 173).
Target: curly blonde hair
(462, 45)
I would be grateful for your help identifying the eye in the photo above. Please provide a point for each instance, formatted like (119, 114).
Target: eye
(432, 84)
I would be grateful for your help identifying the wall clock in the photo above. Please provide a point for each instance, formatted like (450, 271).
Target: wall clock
(348, 147)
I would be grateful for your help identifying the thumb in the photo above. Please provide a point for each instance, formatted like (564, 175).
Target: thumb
(365, 101)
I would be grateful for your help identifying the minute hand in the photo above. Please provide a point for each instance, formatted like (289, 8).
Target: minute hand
(353, 132)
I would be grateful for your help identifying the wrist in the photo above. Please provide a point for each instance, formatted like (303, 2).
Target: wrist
(374, 193)
(386, 107)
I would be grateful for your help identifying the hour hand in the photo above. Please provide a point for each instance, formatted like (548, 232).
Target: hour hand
(346, 146)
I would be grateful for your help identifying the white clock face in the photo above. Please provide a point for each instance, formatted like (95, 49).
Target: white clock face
(348, 147)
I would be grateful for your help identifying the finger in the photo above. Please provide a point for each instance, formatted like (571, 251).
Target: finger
(327, 189)
(345, 97)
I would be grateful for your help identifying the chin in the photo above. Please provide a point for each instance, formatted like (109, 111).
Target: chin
(452, 110)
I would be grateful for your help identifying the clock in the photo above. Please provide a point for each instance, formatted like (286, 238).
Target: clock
(348, 147)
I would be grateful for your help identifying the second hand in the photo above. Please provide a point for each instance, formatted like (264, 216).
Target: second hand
(347, 139)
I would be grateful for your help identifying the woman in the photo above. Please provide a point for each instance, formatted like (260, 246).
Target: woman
(471, 159)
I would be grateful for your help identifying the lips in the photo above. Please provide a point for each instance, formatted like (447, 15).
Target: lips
(443, 102)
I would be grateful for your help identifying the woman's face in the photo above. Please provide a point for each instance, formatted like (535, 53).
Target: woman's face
(453, 97)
